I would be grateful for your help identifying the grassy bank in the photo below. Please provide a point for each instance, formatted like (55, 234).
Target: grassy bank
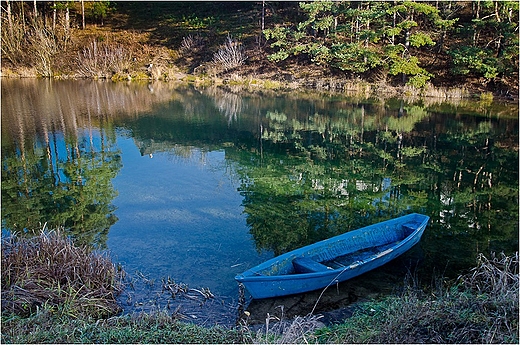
(480, 308)
(55, 292)
(127, 55)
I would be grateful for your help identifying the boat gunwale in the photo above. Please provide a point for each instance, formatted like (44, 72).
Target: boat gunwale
(250, 275)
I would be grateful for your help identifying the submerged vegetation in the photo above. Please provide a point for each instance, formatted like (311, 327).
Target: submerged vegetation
(55, 292)
(318, 44)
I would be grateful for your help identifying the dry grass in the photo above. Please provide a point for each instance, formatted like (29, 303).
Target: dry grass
(48, 271)
(103, 60)
(482, 308)
(497, 276)
(278, 330)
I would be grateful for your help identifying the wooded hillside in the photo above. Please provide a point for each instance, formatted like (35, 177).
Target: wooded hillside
(441, 43)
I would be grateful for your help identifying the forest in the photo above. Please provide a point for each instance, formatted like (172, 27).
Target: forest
(471, 44)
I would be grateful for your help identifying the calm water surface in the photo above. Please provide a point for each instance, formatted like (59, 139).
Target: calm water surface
(198, 185)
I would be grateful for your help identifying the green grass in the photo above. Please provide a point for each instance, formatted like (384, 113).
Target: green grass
(157, 328)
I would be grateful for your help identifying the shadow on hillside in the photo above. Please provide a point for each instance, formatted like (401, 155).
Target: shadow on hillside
(169, 22)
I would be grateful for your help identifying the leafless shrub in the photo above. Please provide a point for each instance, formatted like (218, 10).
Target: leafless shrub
(191, 44)
(49, 272)
(103, 60)
(34, 42)
(13, 40)
(43, 47)
(230, 55)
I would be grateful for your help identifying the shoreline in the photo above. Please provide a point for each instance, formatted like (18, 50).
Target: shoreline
(257, 83)
(65, 316)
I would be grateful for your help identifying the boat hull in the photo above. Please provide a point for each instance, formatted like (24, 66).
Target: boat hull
(281, 275)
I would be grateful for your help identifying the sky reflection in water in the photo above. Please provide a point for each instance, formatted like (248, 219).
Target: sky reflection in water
(180, 217)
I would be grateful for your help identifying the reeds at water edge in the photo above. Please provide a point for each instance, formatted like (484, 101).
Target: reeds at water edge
(49, 271)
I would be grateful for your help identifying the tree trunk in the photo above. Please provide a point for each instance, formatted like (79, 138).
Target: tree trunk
(54, 16)
(263, 16)
(393, 26)
(9, 19)
(67, 21)
(83, 14)
(23, 16)
(406, 42)
(35, 10)
(500, 46)
(477, 16)
(366, 39)
(406, 53)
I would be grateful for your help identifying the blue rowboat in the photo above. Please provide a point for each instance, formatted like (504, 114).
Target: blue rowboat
(334, 260)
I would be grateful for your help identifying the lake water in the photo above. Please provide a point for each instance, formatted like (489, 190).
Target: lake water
(197, 185)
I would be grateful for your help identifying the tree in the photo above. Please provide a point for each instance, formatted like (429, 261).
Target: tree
(98, 10)
(9, 18)
(358, 37)
(490, 42)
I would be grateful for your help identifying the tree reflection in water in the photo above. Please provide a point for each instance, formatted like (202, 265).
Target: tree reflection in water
(309, 166)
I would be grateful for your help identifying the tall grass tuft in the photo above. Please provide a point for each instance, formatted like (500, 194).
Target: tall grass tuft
(497, 276)
(49, 272)
(278, 330)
